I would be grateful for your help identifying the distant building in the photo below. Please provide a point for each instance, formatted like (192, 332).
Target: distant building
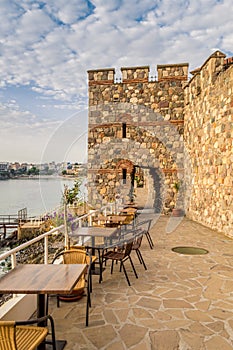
(4, 166)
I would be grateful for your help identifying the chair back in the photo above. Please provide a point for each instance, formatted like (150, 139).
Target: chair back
(137, 242)
(144, 225)
(7, 335)
(16, 335)
(75, 256)
(128, 248)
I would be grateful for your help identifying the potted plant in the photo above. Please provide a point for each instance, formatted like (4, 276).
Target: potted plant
(177, 211)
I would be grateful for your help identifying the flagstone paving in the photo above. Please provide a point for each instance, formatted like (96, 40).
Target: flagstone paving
(180, 302)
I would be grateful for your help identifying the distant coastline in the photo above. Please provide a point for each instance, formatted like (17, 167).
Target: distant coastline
(36, 171)
(38, 177)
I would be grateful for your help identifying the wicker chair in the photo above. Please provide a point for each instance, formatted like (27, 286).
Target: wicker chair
(121, 254)
(77, 256)
(22, 335)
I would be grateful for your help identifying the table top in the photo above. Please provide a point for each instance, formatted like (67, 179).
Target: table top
(93, 231)
(112, 218)
(41, 278)
(129, 210)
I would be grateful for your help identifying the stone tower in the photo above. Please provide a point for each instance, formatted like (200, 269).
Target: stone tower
(135, 135)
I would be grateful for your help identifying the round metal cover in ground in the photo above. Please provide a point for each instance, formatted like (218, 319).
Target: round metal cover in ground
(190, 250)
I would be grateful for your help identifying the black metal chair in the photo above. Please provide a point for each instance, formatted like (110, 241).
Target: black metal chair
(145, 225)
(136, 246)
(121, 253)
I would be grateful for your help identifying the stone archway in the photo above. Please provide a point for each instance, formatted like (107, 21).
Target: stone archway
(105, 176)
(148, 142)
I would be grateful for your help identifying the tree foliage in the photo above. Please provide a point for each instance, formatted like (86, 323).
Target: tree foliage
(71, 195)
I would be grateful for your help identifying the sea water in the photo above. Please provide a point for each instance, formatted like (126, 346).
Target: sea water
(38, 195)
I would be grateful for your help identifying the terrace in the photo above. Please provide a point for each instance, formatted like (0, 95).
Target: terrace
(180, 302)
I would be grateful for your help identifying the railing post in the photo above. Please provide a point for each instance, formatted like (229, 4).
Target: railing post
(13, 260)
(90, 220)
(46, 249)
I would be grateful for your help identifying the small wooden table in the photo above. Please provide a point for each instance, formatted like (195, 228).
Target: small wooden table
(112, 219)
(93, 232)
(129, 210)
(42, 279)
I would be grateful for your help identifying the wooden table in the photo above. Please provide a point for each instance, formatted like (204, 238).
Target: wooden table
(42, 279)
(131, 214)
(93, 232)
(112, 219)
(129, 210)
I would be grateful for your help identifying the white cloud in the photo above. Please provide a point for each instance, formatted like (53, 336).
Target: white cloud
(48, 46)
(70, 11)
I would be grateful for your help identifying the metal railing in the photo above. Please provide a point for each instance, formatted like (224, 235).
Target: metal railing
(44, 236)
(8, 219)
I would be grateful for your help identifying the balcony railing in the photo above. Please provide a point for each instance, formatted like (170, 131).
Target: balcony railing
(87, 218)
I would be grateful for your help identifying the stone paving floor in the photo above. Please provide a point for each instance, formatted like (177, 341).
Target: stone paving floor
(180, 302)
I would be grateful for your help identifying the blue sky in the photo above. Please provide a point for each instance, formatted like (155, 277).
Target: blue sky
(46, 48)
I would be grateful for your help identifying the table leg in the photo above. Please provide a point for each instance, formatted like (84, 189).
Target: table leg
(41, 308)
(95, 270)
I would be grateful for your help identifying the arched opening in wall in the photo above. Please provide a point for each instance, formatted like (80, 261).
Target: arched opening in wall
(149, 193)
(126, 171)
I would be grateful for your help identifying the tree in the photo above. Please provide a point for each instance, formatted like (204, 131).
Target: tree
(33, 171)
(70, 195)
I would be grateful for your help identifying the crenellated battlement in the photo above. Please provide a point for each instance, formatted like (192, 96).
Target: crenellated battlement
(101, 76)
(173, 71)
(138, 74)
(135, 74)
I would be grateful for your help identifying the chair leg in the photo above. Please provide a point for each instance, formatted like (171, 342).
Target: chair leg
(53, 332)
(87, 311)
(90, 281)
(126, 276)
(101, 266)
(141, 258)
(121, 266)
(148, 236)
(51, 342)
(112, 266)
(138, 255)
(89, 296)
(133, 267)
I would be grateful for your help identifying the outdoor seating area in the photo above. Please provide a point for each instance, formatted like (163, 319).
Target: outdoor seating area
(183, 301)
(148, 296)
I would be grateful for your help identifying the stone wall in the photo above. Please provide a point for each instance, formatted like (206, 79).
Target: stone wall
(178, 132)
(140, 121)
(208, 139)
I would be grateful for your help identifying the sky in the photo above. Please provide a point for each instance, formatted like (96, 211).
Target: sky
(46, 48)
